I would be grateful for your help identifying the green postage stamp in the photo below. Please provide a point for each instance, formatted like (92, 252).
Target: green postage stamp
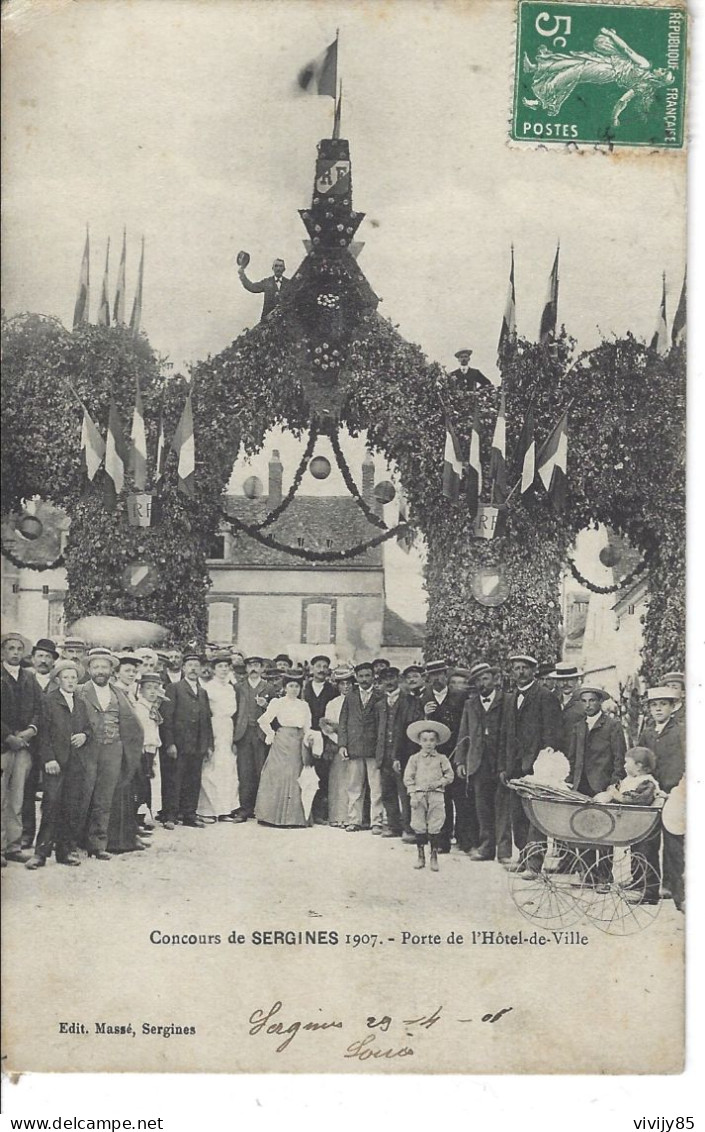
(605, 74)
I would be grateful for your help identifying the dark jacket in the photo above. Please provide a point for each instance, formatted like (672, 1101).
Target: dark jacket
(318, 704)
(480, 736)
(599, 754)
(572, 714)
(248, 710)
(268, 288)
(448, 712)
(669, 748)
(530, 728)
(471, 379)
(131, 731)
(59, 725)
(187, 719)
(357, 726)
(393, 744)
(21, 703)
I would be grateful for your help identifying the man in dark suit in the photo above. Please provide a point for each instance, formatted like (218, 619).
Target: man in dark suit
(21, 724)
(446, 707)
(115, 734)
(395, 710)
(663, 735)
(566, 679)
(476, 763)
(273, 287)
(357, 741)
(532, 721)
(44, 656)
(318, 693)
(468, 378)
(187, 738)
(596, 756)
(252, 698)
(65, 733)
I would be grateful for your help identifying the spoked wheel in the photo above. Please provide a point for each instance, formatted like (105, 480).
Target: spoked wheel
(549, 896)
(626, 900)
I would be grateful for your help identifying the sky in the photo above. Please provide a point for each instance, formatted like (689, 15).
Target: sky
(180, 119)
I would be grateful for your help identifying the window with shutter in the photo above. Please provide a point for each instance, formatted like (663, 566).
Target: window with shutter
(318, 621)
(222, 621)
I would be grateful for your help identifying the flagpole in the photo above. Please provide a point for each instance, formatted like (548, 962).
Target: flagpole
(555, 428)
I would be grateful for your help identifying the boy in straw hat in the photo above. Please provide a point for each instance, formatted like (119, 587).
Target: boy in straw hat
(426, 777)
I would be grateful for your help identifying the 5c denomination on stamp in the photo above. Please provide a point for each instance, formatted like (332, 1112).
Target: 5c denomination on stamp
(600, 74)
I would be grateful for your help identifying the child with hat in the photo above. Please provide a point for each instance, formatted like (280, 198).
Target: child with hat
(426, 777)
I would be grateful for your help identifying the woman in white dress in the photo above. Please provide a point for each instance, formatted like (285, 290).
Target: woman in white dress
(219, 795)
(279, 795)
(344, 677)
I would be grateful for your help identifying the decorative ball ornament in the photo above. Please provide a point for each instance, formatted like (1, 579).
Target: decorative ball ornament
(319, 468)
(609, 556)
(253, 487)
(30, 527)
(384, 492)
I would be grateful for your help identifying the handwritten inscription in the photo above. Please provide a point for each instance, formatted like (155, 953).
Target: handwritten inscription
(261, 1022)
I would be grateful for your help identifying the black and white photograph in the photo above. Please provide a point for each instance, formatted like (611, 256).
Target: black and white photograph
(343, 537)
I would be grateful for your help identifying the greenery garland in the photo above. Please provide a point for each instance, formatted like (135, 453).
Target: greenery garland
(295, 483)
(622, 584)
(352, 487)
(313, 555)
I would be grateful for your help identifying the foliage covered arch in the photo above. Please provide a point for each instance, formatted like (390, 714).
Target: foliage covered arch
(625, 468)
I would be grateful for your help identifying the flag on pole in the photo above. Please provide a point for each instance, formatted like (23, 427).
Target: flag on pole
(119, 306)
(116, 456)
(508, 333)
(183, 445)
(678, 328)
(80, 311)
(474, 481)
(452, 465)
(92, 445)
(338, 113)
(659, 342)
(553, 464)
(498, 455)
(138, 447)
(549, 318)
(320, 76)
(161, 448)
(136, 316)
(527, 453)
(404, 540)
(104, 308)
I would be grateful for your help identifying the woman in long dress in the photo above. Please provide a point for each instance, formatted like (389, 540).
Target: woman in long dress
(339, 767)
(279, 795)
(219, 795)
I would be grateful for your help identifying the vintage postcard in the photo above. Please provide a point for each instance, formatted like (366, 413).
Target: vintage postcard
(343, 537)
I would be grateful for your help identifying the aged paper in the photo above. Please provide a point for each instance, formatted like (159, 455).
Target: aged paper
(242, 948)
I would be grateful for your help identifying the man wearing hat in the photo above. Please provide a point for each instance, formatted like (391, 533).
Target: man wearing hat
(663, 735)
(445, 707)
(147, 659)
(76, 649)
(357, 741)
(65, 734)
(21, 723)
(187, 739)
(545, 675)
(676, 680)
(252, 699)
(412, 680)
(283, 663)
(470, 379)
(396, 710)
(44, 656)
(597, 746)
(459, 680)
(174, 665)
(318, 693)
(478, 792)
(566, 684)
(115, 734)
(148, 784)
(532, 722)
(129, 667)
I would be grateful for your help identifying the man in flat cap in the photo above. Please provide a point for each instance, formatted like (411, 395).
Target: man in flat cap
(21, 723)
(532, 722)
(473, 380)
(187, 739)
(446, 707)
(477, 763)
(318, 692)
(76, 649)
(357, 741)
(252, 699)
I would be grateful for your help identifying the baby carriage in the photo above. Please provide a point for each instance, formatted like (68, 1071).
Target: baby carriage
(588, 867)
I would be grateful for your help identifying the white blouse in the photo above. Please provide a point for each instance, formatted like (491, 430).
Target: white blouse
(334, 708)
(288, 713)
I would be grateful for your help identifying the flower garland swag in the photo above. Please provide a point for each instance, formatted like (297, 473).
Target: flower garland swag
(622, 584)
(255, 532)
(295, 483)
(351, 485)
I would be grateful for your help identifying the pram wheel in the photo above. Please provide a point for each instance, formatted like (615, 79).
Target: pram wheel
(548, 897)
(625, 900)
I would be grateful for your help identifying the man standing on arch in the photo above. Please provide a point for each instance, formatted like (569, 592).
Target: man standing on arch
(272, 287)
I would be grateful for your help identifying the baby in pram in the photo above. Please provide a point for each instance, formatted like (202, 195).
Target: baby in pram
(639, 787)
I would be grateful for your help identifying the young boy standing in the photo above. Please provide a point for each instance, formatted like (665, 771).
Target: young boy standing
(426, 777)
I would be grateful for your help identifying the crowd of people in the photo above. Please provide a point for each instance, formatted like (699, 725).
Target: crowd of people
(118, 741)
